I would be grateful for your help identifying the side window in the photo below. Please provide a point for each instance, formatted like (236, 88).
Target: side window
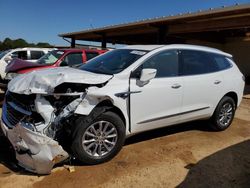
(72, 59)
(166, 64)
(36, 54)
(91, 55)
(20, 54)
(196, 62)
(222, 62)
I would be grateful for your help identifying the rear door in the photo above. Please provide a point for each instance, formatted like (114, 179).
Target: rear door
(202, 84)
(158, 102)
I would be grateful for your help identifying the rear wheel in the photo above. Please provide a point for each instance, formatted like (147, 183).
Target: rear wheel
(100, 140)
(224, 114)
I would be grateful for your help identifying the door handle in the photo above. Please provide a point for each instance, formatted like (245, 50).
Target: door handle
(176, 86)
(217, 82)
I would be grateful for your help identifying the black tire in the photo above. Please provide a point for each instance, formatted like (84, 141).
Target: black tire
(83, 125)
(216, 123)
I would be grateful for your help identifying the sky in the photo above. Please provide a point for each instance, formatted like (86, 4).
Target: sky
(42, 20)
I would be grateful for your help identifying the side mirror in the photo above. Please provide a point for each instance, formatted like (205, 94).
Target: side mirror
(147, 75)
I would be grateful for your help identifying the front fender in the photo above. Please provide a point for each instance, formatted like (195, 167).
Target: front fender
(89, 103)
(94, 96)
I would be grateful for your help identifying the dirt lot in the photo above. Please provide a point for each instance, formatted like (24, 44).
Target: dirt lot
(187, 155)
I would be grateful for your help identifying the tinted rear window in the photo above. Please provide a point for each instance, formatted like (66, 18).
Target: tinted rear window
(197, 62)
(222, 62)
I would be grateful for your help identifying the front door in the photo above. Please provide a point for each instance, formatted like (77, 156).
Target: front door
(158, 102)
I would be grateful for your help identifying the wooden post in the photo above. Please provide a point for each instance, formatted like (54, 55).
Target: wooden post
(104, 41)
(73, 42)
(162, 33)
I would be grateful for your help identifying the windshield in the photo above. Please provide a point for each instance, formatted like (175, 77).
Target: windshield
(113, 62)
(51, 57)
(2, 54)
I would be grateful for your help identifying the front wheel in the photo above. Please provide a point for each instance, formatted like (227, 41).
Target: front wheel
(223, 114)
(100, 140)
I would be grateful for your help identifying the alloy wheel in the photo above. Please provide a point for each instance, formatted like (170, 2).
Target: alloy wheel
(99, 138)
(226, 114)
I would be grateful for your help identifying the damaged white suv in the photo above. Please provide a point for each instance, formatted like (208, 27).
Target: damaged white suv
(51, 114)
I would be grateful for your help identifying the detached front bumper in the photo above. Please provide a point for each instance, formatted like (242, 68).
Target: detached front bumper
(34, 151)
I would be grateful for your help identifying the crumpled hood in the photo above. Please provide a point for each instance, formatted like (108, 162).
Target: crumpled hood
(44, 81)
(18, 64)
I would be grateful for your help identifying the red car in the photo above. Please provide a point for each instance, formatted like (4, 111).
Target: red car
(55, 58)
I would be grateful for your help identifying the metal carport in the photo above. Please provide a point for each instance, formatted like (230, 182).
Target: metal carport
(227, 28)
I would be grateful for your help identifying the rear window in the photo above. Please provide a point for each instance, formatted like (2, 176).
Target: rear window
(222, 62)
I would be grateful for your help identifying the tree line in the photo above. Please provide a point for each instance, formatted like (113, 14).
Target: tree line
(8, 43)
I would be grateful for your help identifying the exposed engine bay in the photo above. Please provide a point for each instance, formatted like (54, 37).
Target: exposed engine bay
(43, 118)
(37, 124)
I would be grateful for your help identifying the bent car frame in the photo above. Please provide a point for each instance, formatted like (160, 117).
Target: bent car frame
(87, 113)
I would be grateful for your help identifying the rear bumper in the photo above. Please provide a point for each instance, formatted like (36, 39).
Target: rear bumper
(34, 151)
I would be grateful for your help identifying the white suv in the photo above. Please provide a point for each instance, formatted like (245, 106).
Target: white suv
(30, 54)
(88, 112)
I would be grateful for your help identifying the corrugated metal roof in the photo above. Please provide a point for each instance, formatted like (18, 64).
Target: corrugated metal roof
(170, 18)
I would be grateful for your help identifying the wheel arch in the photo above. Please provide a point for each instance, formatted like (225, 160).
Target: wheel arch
(234, 96)
(111, 107)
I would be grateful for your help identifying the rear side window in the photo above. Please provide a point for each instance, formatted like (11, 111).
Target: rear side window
(36, 54)
(20, 54)
(91, 55)
(166, 64)
(73, 59)
(222, 62)
(196, 62)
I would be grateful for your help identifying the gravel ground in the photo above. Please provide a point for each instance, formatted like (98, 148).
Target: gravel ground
(186, 155)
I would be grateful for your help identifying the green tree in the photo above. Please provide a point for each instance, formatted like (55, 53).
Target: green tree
(20, 43)
(43, 45)
(7, 43)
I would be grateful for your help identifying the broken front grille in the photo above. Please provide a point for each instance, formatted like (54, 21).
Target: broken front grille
(14, 110)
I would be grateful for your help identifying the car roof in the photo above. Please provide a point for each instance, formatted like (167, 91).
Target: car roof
(177, 46)
(76, 49)
(143, 47)
(32, 48)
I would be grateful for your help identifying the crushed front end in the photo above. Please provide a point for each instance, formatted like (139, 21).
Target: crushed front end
(32, 123)
(38, 112)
